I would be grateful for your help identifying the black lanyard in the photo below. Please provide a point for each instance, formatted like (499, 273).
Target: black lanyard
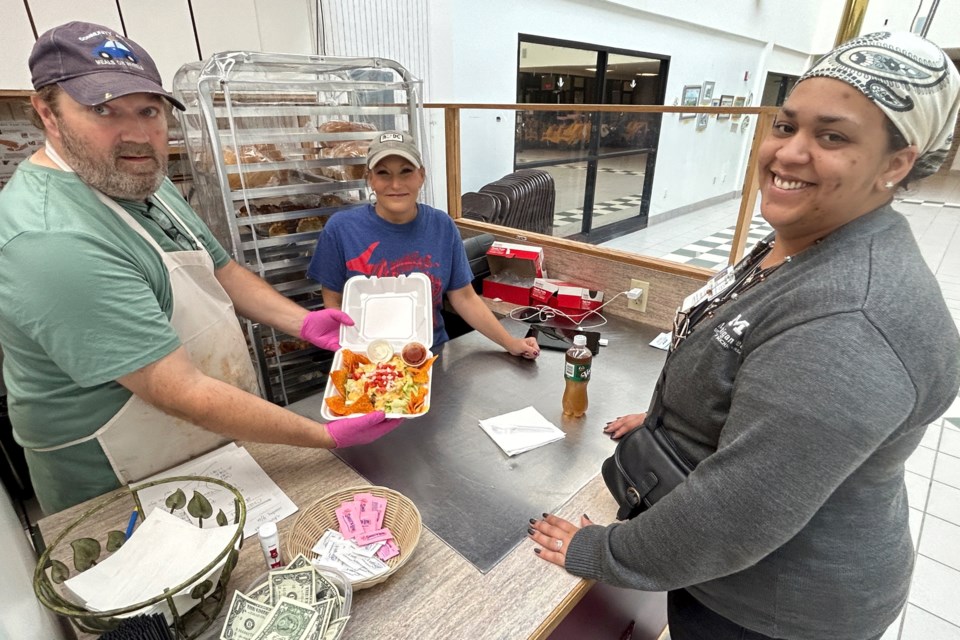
(746, 273)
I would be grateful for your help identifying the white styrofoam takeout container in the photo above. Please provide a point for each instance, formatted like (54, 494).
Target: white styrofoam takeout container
(396, 309)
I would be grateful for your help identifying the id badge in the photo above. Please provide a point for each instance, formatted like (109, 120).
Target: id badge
(714, 287)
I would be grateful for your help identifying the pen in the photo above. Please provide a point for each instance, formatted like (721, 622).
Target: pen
(131, 524)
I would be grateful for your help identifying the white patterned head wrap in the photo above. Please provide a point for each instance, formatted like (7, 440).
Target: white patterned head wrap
(910, 79)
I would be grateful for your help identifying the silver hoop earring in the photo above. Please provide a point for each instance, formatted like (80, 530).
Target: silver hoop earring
(372, 197)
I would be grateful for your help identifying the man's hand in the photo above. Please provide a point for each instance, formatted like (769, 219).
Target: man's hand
(349, 432)
(322, 328)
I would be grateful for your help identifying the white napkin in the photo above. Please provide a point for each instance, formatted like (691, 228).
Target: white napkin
(162, 552)
(520, 431)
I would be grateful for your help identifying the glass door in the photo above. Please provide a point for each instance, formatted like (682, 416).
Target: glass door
(601, 162)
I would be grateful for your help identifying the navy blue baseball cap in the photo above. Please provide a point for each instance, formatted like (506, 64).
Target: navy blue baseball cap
(94, 64)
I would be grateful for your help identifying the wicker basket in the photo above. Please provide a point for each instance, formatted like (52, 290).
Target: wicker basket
(108, 519)
(401, 517)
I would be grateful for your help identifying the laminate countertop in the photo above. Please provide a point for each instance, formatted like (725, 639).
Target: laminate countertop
(439, 593)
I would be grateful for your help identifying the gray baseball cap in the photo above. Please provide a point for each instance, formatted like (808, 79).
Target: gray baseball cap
(93, 64)
(393, 143)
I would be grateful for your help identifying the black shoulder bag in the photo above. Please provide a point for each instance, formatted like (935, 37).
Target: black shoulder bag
(647, 464)
(645, 467)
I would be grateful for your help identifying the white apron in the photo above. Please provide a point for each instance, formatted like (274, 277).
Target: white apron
(140, 440)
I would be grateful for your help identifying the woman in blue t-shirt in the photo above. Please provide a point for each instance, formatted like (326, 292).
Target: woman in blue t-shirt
(397, 235)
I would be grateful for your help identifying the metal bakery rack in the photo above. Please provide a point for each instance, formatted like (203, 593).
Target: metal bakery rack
(277, 144)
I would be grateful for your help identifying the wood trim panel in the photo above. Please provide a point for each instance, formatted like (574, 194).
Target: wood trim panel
(451, 117)
(607, 270)
(751, 185)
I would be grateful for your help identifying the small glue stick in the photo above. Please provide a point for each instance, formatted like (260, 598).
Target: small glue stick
(270, 543)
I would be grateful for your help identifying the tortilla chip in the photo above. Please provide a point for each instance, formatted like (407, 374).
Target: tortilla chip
(339, 380)
(337, 405)
(361, 405)
(352, 359)
(418, 401)
(421, 374)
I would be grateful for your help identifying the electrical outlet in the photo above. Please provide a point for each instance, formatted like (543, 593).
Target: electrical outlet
(640, 304)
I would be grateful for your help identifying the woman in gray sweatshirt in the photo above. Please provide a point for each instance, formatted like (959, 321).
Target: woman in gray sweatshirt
(801, 387)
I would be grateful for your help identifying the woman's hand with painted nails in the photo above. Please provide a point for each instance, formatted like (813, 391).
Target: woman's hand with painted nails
(554, 534)
(623, 425)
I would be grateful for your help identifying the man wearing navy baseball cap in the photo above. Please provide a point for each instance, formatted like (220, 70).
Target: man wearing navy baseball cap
(123, 354)
(94, 64)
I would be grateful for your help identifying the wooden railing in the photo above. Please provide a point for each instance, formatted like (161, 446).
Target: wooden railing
(750, 186)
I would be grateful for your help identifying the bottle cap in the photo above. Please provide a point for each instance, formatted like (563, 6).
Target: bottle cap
(267, 529)
(580, 340)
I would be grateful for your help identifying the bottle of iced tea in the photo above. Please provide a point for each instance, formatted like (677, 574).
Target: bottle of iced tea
(577, 374)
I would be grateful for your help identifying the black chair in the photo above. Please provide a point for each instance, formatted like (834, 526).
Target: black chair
(480, 206)
(526, 199)
(476, 248)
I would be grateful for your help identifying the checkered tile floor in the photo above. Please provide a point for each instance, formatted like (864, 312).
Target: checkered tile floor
(930, 203)
(713, 251)
(599, 209)
(582, 166)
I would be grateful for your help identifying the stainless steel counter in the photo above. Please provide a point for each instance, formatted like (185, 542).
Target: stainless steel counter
(471, 494)
(438, 594)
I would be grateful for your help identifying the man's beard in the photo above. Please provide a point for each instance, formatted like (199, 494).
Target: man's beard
(107, 174)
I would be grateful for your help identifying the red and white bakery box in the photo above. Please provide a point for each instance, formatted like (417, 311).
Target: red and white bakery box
(513, 270)
(571, 298)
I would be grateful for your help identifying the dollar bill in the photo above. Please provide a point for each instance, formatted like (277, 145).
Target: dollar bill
(262, 594)
(325, 588)
(295, 584)
(289, 620)
(317, 628)
(244, 618)
(299, 562)
(335, 628)
(325, 609)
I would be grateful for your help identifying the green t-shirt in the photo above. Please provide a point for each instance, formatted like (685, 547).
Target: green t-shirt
(84, 300)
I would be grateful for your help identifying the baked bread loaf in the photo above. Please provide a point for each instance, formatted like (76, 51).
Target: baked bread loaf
(344, 126)
(354, 149)
(310, 223)
(253, 154)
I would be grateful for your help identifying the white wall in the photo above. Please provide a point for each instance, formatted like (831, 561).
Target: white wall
(467, 52)
(479, 65)
(807, 25)
(18, 41)
(896, 15)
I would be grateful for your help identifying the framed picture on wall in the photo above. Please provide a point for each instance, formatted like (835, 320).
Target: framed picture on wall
(690, 98)
(725, 101)
(707, 93)
(702, 121)
(738, 102)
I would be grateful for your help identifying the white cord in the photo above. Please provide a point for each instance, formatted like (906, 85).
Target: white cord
(545, 313)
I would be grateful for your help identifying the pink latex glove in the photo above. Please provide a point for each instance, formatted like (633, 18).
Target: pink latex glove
(322, 328)
(349, 432)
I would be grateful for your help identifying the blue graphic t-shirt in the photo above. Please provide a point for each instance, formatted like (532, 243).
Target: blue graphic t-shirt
(359, 242)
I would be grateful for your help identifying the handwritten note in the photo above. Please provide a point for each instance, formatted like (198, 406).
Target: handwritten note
(265, 501)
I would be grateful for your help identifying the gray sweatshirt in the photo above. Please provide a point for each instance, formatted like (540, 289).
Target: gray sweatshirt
(800, 400)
